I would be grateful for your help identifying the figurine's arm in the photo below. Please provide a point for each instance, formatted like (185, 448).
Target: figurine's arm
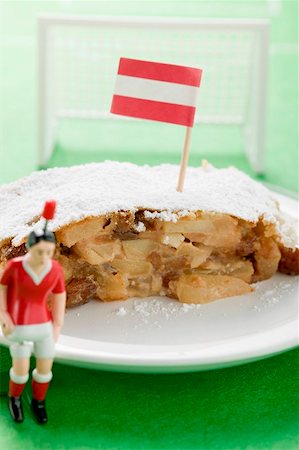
(6, 322)
(58, 310)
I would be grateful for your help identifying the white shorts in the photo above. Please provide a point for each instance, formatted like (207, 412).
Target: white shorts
(41, 335)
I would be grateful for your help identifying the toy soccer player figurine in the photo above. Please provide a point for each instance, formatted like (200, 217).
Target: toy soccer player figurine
(26, 286)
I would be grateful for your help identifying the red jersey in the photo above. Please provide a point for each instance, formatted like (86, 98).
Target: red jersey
(27, 302)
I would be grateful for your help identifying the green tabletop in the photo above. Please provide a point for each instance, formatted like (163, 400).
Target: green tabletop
(253, 406)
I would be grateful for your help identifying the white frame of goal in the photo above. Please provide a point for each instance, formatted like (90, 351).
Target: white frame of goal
(252, 122)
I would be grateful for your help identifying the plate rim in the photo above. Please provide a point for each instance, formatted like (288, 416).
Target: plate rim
(218, 352)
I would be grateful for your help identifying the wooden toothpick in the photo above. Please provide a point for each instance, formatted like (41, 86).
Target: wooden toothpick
(184, 161)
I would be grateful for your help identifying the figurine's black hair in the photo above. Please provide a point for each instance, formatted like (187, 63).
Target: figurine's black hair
(40, 235)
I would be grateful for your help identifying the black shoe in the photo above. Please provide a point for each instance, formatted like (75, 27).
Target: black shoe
(16, 409)
(39, 410)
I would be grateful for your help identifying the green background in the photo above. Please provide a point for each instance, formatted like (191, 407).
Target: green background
(254, 406)
(18, 91)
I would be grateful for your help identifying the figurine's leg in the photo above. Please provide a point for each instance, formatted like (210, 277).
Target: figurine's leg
(19, 374)
(41, 376)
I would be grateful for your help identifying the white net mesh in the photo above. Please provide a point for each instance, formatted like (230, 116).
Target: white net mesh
(83, 62)
(79, 59)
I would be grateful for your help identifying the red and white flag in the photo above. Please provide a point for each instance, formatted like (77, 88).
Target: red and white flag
(156, 91)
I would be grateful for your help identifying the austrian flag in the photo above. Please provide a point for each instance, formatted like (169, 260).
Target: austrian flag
(156, 91)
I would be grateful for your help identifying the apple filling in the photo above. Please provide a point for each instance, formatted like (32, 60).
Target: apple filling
(197, 259)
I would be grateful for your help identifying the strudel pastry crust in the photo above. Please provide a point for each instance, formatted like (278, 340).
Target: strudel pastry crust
(122, 231)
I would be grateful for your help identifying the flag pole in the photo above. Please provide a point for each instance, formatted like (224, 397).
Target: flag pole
(184, 161)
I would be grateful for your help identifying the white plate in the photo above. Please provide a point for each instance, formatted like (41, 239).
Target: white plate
(162, 335)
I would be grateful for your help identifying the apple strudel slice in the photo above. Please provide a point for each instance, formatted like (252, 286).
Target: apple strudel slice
(123, 230)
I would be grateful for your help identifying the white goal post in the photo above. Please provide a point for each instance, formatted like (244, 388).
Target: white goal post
(78, 59)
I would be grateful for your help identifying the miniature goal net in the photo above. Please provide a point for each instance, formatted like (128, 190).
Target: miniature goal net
(79, 55)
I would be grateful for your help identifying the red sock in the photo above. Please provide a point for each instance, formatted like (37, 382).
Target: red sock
(39, 390)
(15, 389)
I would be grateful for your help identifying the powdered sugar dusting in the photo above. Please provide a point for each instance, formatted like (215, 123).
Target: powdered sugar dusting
(167, 216)
(121, 312)
(268, 298)
(100, 188)
(147, 310)
(140, 227)
(288, 228)
(151, 310)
